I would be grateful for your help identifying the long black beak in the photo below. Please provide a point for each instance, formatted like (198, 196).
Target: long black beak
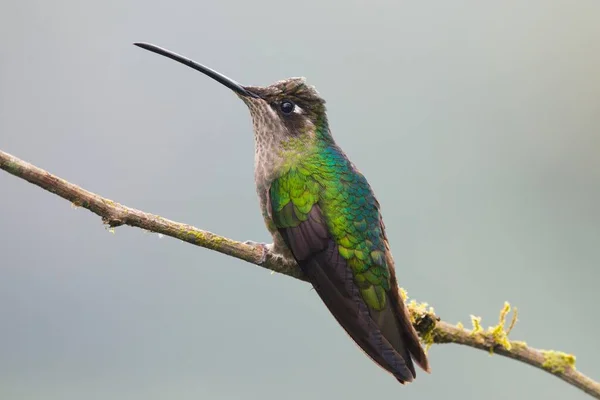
(230, 83)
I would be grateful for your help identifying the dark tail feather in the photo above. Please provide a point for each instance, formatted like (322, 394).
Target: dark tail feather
(410, 337)
(395, 332)
(382, 335)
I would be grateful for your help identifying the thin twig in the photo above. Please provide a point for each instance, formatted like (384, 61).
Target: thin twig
(431, 329)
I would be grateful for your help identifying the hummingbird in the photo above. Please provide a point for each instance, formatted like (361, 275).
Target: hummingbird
(324, 217)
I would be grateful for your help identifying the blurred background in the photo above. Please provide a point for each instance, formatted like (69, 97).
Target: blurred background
(476, 123)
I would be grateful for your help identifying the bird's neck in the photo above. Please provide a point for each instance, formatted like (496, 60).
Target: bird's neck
(275, 155)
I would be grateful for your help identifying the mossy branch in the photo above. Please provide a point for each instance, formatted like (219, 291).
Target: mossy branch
(431, 329)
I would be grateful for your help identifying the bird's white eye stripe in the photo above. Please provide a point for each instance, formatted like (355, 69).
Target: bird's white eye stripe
(298, 110)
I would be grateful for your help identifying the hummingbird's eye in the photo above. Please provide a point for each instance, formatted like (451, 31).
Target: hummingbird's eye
(287, 107)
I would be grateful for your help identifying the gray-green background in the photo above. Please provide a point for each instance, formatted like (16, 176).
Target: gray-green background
(476, 122)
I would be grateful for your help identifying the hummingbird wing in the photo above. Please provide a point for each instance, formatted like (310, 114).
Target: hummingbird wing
(332, 225)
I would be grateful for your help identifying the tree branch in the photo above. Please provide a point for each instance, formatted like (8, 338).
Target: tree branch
(429, 326)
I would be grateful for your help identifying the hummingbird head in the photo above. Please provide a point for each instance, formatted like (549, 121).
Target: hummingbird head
(287, 110)
(289, 107)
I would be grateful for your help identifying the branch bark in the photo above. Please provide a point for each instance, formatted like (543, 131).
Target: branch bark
(431, 329)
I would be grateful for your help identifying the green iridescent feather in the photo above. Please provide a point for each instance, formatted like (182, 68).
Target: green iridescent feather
(325, 178)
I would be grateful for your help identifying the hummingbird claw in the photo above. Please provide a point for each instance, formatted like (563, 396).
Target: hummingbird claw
(264, 247)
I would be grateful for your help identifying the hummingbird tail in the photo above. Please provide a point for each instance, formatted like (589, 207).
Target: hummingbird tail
(380, 334)
(410, 344)
(410, 338)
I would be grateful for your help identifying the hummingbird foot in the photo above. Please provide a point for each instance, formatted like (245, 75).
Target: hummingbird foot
(282, 259)
(271, 249)
(266, 249)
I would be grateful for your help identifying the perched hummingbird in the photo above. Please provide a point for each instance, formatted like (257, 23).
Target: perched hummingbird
(323, 215)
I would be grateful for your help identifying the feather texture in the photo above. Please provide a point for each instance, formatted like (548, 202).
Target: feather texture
(328, 217)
